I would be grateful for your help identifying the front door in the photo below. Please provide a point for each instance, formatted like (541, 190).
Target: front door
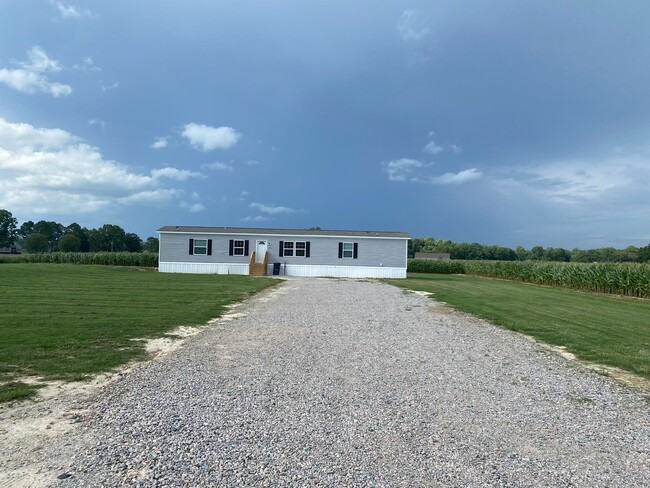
(260, 251)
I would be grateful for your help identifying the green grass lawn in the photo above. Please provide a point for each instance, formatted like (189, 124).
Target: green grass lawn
(70, 321)
(599, 328)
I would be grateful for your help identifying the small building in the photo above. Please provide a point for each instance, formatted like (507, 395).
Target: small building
(291, 252)
(433, 255)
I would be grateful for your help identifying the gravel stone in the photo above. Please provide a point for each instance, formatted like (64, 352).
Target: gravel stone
(334, 382)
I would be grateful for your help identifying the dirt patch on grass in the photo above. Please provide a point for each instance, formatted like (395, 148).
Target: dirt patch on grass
(625, 377)
(28, 428)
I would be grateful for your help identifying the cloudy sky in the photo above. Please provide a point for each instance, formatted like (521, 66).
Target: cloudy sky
(501, 122)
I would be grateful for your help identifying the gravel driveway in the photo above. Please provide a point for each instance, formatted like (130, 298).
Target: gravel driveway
(326, 382)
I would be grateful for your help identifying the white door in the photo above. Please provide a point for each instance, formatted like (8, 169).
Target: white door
(260, 251)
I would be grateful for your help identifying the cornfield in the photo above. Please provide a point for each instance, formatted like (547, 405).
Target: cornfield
(625, 279)
(139, 259)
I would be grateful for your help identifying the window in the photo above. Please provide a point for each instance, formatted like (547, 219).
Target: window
(348, 250)
(238, 248)
(288, 248)
(201, 247)
(299, 249)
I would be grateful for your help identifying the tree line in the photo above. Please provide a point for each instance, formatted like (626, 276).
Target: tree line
(50, 236)
(475, 251)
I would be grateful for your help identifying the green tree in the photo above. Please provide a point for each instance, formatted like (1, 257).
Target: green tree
(558, 254)
(644, 254)
(36, 242)
(537, 253)
(81, 233)
(51, 230)
(26, 229)
(108, 237)
(8, 226)
(606, 254)
(69, 243)
(132, 242)
(151, 245)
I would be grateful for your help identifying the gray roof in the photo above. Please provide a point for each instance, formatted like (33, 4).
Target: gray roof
(290, 232)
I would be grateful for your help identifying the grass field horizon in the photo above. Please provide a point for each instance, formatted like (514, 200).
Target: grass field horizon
(598, 328)
(64, 321)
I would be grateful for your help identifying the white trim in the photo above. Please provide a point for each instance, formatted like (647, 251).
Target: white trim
(339, 271)
(306, 236)
(204, 268)
(286, 270)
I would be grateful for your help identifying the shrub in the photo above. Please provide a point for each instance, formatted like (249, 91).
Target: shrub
(438, 266)
(69, 243)
(36, 242)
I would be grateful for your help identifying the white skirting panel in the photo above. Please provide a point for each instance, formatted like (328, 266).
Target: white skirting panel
(340, 271)
(204, 268)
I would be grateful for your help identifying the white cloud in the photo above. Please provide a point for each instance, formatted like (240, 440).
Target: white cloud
(256, 218)
(30, 78)
(87, 64)
(192, 207)
(218, 166)
(52, 171)
(175, 174)
(39, 61)
(574, 181)
(401, 169)
(410, 170)
(68, 11)
(272, 209)
(157, 197)
(244, 193)
(209, 138)
(412, 26)
(433, 148)
(159, 143)
(99, 122)
(457, 178)
(252, 162)
(112, 86)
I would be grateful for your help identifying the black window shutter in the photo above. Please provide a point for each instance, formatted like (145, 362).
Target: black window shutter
(340, 250)
(191, 246)
(246, 247)
(209, 247)
(307, 246)
(356, 251)
(230, 250)
(281, 249)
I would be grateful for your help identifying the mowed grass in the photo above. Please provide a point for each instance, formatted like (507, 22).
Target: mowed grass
(67, 322)
(599, 328)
